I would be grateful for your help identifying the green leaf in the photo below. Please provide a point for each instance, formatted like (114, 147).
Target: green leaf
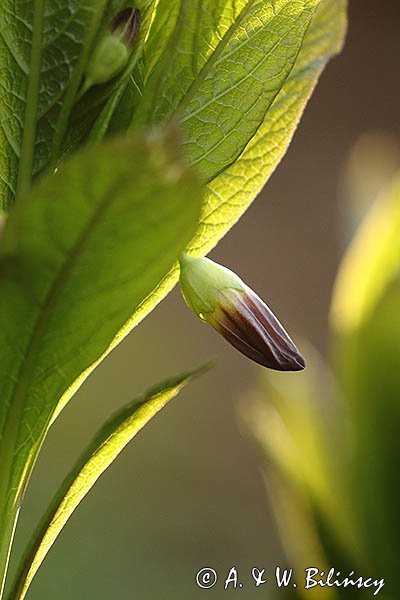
(300, 436)
(365, 316)
(368, 365)
(230, 193)
(370, 264)
(99, 455)
(301, 427)
(79, 255)
(230, 60)
(43, 47)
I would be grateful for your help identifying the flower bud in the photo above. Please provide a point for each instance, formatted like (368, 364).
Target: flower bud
(112, 51)
(219, 297)
(108, 59)
(127, 25)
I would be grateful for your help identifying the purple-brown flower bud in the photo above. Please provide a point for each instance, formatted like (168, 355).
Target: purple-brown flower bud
(219, 297)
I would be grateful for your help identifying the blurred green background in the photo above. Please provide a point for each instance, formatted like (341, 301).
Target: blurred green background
(189, 492)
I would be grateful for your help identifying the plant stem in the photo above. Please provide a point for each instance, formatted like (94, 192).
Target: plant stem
(7, 537)
(8, 511)
(10, 494)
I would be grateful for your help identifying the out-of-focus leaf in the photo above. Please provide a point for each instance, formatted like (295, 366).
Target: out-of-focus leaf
(298, 531)
(373, 161)
(339, 487)
(78, 256)
(43, 49)
(370, 263)
(109, 442)
(366, 317)
(298, 422)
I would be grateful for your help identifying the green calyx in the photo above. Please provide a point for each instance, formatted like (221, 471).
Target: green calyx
(202, 281)
(107, 60)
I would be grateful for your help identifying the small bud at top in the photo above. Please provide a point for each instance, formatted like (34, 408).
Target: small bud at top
(112, 51)
(219, 297)
(127, 25)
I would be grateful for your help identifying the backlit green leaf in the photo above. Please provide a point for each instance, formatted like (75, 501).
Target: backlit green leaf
(231, 192)
(366, 318)
(100, 454)
(230, 60)
(78, 257)
(301, 426)
(370, 263)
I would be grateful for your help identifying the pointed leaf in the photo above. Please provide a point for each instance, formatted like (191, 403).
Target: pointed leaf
(365, 315)
(370, 264)
(100, 454)
(230, 193)
(230, 60)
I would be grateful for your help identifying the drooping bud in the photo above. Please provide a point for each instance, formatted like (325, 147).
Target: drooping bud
(219, 297)
(113, 50)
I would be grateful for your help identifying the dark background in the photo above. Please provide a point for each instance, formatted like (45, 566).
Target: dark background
(188, 492)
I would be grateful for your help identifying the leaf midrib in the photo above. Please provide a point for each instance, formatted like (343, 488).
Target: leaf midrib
(207, 66)
(205, 70)
(59, 510)
(214, 60)
(239, 82)
(25, 166)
